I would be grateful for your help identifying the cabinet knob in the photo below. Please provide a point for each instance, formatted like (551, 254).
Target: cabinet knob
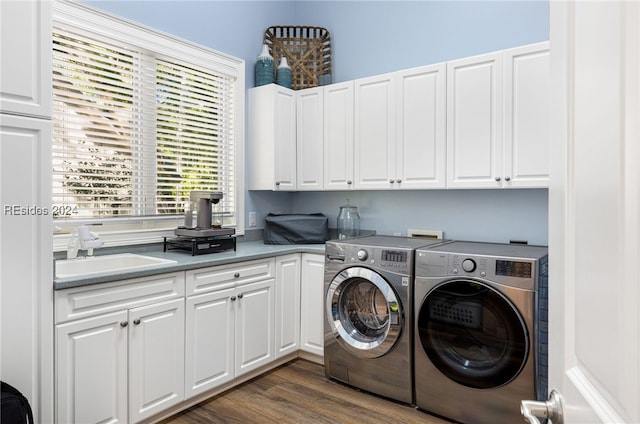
(136, 321)
(498, 179)
(392, 181)
(398, 181)
(233, 298)
(240, 296)
(124, 324)
(349, 182)
(507, 178)
(277, 183)
(236, 275)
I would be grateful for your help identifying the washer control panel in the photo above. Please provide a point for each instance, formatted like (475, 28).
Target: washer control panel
(395, 260)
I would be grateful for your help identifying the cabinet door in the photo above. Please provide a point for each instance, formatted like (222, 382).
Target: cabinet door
(91, 370)
(338, 136)
(526, 116)
(287, 309)
(309, 103)
(26, 344)
(285, 139)
(254, 316)
(25, 54)
(312, 304)
(156, 358)
(271, 147)
(421, 130)
(474, 110)
(375, 119)
(209, 360)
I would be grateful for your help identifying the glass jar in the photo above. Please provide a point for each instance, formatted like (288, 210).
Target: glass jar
(348, 221)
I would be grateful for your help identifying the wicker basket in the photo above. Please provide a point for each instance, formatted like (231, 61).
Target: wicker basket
(308, 52)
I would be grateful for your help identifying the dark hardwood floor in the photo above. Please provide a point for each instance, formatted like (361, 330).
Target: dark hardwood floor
(298, 392)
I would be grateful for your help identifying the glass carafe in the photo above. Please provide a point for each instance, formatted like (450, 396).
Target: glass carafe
(348, 221)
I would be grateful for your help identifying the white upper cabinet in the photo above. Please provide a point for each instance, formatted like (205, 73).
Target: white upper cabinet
(338, 136)
(400, 130)
(474, 119)
(272, 138)
(497, 119)
(309, 118)
(526, 116)
(25, 54)
(375, 131)
(477, 122)
(421, 128)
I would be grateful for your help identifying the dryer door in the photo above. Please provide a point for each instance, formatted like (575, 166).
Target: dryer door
(473, 334)
(363, 311)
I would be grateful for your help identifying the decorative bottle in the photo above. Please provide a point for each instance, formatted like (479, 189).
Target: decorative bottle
(264, 67)
(283, 75)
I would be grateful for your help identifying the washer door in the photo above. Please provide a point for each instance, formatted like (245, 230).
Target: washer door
(363, 311)
(473, 334)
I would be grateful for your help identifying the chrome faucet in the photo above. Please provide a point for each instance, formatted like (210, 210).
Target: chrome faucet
(83, 239)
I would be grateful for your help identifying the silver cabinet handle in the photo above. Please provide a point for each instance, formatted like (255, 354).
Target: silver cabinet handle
(240, 296)
(136, 321)
(349, 182)
(531, 410)
(398, 181)
(277, 183)
(392, 181)
(233, 298)
(507, 178)
(124, 324)
(498, 179)
(236, 275)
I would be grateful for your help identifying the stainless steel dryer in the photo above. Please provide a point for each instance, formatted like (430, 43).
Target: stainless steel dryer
(480, 330)
(368, 325)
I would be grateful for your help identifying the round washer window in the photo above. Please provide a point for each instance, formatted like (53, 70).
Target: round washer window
(363, 312)
(473, 334)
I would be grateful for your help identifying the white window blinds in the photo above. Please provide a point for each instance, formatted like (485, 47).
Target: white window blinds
(135, 132)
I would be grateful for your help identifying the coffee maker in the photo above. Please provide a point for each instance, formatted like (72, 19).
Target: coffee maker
(202, 231)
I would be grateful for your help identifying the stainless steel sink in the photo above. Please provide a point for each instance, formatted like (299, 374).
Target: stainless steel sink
(81, 267)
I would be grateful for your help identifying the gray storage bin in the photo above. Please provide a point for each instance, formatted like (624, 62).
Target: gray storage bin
(296, 229)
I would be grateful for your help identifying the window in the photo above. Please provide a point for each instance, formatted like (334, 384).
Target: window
(140, 119)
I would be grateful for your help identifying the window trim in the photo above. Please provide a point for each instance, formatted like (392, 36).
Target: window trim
(142, 230)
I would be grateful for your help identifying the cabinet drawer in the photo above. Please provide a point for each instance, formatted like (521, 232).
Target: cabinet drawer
(95, 299)
(219, 277)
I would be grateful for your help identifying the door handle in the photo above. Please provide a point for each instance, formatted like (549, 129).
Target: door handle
(531, 410)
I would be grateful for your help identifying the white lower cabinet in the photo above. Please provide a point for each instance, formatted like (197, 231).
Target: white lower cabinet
(91, 370)
(209, 341)
(119, 350)
(254, 313)
(230, 326)
(312, 304)
(156, 358)
(287, 304)
(128, 350)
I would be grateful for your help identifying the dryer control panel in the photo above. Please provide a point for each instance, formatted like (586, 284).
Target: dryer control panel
(516, 272)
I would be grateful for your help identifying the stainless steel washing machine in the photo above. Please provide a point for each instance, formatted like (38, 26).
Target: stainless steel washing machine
(368, 311)
(480, 330)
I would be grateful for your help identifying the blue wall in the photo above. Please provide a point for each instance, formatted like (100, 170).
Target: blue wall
(370, 38)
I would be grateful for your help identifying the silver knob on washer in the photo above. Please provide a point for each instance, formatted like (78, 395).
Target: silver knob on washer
(469, 265)
(362, 254)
